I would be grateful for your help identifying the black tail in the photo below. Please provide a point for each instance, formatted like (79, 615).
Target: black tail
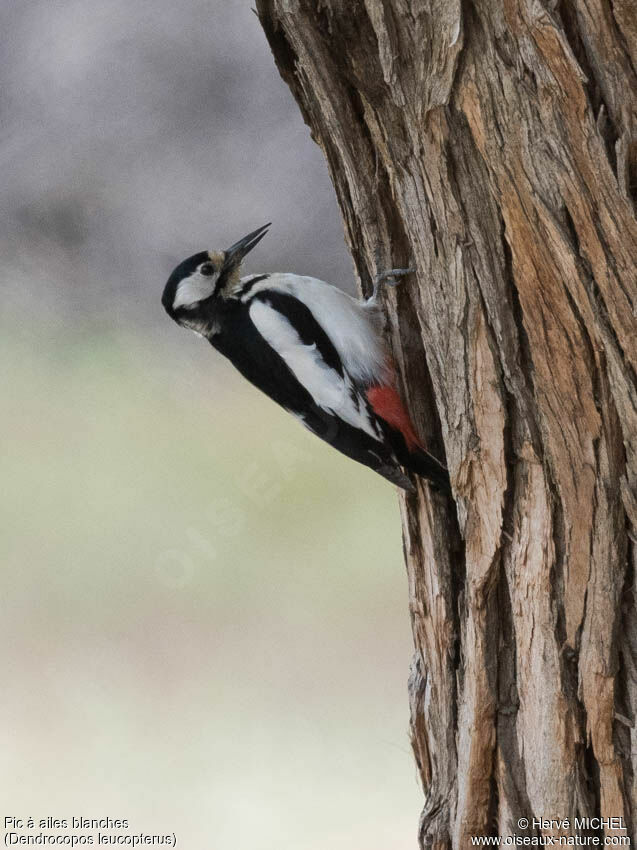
(418, 460)
(429, 467)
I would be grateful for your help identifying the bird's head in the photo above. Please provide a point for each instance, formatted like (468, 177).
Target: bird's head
(195, 284)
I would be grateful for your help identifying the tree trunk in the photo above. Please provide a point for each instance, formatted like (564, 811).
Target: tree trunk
(493, 146)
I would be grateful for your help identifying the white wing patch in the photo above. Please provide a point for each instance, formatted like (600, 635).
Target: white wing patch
(352, 325)
(330, 391)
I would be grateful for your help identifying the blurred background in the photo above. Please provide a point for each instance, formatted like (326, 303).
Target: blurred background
(205, 623)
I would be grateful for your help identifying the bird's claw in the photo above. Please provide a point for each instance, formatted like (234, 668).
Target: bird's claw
(389, 278)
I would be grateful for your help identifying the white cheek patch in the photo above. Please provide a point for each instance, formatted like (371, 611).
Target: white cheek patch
(194, 289)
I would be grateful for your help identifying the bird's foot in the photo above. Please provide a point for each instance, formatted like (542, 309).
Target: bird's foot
(389, 278)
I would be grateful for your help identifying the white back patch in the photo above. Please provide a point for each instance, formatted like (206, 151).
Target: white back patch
(352, 325)
(330, 391)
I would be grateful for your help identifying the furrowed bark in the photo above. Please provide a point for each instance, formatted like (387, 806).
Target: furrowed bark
(493, 146)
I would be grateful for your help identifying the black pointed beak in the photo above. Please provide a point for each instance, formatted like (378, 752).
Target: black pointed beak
(237, 252)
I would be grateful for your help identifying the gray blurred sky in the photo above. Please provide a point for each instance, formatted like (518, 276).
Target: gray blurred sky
(134, 134)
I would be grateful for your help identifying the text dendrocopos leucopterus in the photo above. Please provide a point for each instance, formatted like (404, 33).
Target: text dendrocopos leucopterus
(312, 348)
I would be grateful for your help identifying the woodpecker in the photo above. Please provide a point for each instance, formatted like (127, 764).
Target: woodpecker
(312, 348)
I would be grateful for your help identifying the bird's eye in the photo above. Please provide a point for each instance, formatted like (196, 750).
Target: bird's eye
(207, 269)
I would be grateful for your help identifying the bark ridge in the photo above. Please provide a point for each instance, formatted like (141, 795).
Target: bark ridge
(493, 146)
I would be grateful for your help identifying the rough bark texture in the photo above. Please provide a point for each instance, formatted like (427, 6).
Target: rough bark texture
(493, 146)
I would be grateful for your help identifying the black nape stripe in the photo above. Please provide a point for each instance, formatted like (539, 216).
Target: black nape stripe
(248, 286)
(304, 323)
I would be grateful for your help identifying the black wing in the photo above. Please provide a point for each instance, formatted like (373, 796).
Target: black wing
(277, 344)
